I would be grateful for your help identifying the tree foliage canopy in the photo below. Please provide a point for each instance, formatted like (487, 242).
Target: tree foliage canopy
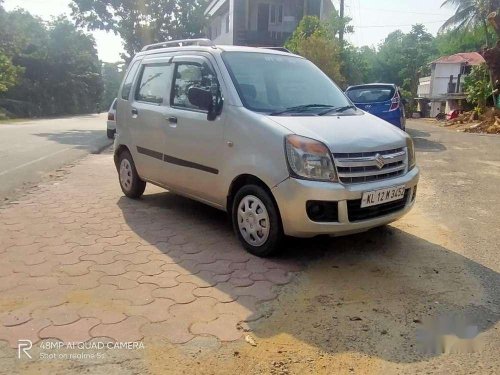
(470, 14)
(56, 66)
(9, 73)
(112, 74)
(142, 22)
(478, 87)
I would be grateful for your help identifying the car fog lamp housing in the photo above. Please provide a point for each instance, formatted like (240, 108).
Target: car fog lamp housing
(309, 159)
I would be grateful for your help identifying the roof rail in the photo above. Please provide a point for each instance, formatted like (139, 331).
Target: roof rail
(179, 43)
(281, 49)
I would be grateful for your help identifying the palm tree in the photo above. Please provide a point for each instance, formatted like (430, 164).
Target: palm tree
(469, 14)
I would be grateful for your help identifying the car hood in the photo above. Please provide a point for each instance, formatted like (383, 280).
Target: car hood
(346, 134)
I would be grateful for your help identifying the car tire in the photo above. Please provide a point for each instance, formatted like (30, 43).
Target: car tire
(130, 182)
(110, 133)
(256, 221)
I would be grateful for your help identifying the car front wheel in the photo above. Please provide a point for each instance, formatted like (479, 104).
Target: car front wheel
(256, 221)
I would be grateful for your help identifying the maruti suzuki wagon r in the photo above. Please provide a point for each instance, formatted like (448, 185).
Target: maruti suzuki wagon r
(264, 135)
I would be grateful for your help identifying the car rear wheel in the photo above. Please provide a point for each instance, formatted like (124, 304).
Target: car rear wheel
(256, 221)
(130, 182)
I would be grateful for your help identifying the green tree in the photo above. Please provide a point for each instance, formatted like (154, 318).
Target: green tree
(478, 87)
(455, 41)
(324, 53)
(418, 49)
(470, 14)
(9, 73)
(308, 26)
(142, 22)
(61, 71)
(74, 70)
(389, 62)
(112, 74)
(404, 58)
(314, 40)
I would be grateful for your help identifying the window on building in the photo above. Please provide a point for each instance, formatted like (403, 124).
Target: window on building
(276, 13)
(279, 15)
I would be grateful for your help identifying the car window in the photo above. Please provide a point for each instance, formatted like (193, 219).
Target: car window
(114, 104)
(190, 74)
(152, 87)
(271, 82)
(129, 80)
(370, 94)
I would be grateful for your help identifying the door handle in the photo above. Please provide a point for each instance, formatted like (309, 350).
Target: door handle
(135, 112)
(172, 120)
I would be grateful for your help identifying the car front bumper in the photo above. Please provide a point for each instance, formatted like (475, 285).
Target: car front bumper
(292, 194)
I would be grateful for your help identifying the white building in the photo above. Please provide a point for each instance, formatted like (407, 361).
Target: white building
(260, 22)
(442, 91)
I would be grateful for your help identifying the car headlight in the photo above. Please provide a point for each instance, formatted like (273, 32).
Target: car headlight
(410, 150)
(309, 159)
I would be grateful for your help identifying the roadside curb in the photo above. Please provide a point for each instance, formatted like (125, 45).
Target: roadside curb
(100, 149)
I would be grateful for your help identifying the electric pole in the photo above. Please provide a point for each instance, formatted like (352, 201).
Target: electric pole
(342, 26)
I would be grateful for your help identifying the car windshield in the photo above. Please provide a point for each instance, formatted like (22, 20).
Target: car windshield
(279, 84)
(370, 94)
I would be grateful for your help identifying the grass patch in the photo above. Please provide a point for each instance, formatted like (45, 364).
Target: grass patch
(9, 121)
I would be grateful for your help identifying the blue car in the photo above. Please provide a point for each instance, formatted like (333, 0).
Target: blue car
(380, 99)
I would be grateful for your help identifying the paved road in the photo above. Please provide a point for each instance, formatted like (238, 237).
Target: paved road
(30, 149)
(168, 271)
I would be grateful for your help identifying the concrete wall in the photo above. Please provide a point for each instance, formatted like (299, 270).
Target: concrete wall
(441, 76)
(221, 27)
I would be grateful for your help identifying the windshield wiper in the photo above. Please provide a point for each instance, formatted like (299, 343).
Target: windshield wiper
(337, 109)
(301, 108)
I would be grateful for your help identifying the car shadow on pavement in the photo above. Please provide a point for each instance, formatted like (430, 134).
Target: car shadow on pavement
(381, 293)
(422, 143)
(89, 140)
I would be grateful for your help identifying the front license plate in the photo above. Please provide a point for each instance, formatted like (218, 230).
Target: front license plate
(372, 198)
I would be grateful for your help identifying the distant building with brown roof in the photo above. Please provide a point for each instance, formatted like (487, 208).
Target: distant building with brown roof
(442, 91)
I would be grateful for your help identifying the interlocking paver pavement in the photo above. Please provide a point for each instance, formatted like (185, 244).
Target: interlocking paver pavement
(79, 261)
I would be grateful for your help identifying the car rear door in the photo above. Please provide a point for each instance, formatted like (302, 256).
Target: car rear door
(148, 118)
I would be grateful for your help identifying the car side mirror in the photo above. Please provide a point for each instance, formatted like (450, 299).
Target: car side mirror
(200, 98)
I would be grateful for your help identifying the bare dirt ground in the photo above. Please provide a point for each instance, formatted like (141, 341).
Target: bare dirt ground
(421, 295)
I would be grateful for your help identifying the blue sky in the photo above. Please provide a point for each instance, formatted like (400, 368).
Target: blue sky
(372, 19)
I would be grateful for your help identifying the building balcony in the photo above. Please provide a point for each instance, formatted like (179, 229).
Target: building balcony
(261, 38)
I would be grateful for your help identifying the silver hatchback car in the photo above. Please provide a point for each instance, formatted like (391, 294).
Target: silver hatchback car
(264, 135)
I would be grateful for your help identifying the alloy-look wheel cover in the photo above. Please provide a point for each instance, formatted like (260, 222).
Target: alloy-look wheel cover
(253, 220)
(126, 174)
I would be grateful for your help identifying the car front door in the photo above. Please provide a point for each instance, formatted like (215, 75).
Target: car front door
(194, 145)
(148, 118)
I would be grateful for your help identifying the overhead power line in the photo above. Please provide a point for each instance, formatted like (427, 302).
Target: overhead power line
(420, 23)
(400, 11)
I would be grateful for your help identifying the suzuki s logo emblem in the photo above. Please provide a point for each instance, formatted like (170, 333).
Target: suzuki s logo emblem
(380, 161)
(368, 106)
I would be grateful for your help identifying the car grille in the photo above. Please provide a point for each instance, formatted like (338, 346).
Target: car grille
(359, 167)
(356, 213)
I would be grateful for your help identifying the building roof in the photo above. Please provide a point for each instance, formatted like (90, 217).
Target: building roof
(470, 58)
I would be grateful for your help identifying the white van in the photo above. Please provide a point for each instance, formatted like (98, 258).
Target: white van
(264, 135)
